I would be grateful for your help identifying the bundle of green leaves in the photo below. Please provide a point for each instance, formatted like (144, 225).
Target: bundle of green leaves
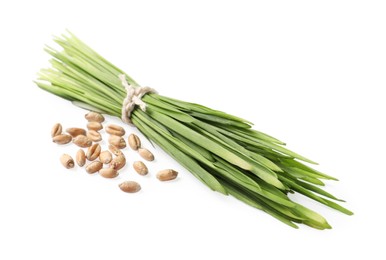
(221, 150)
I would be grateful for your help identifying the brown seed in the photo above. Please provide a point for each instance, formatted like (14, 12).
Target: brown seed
(140, 168)
(94, 136)
(81, 158)
(105, 157)
(146, 154)
(117, 141)
(96, 126)
(94, 117)
(67, 161)
(118, 162)
(75, 131)
(93, 167)
(82, 141)
(115, 130)
(108, 172)
(93, 152)
(56, 130)
(62, 139)
(130, 186)
(167, 175)
(134, 142)
(115, 150)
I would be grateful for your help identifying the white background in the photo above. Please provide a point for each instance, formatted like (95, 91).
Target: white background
(311, 73)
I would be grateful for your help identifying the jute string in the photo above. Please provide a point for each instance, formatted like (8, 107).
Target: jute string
(133, 97)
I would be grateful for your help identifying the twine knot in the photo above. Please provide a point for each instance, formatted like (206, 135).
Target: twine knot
(133, 97)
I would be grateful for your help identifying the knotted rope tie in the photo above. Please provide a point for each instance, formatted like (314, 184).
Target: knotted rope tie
(133, 97)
